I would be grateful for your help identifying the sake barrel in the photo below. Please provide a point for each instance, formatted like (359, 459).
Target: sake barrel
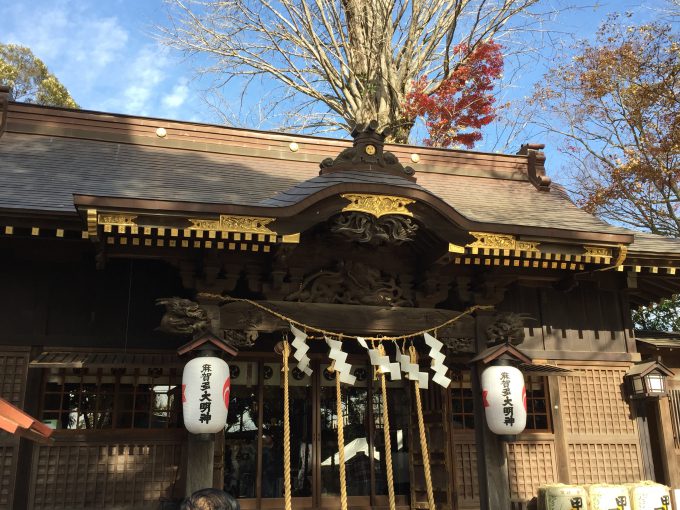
(558, 496)
(649, 496)
(608, 497)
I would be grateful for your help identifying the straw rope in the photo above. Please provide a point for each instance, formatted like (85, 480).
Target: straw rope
(386, 432)
(337, 334)
(286, 431)
(423, 438)
(341, 443)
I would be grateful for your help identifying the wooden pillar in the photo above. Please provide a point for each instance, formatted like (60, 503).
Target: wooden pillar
(200, 460)
(492, 459)
(640, 410)
(671, 469)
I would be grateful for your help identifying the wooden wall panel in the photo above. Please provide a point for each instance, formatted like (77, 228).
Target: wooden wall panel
(84, 475)
(601, 438)
(530, 465)
(8, 455)
(465, 473)
(13, 371)
(604, 462)
(593, 403)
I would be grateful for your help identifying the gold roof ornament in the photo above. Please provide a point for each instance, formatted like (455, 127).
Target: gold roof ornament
(377, 205)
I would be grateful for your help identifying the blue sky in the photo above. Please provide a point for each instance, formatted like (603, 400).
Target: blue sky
(105, 52)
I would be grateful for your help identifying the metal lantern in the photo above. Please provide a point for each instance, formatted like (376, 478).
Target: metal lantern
(205, 394)
(647, 380)
(504, 398)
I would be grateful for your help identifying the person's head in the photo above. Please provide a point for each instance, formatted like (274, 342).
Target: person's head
(210, 499)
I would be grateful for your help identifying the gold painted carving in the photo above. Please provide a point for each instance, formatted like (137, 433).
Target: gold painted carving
(226, 223)
(378, 205)
(92, 223)
(597, 251)
(486, 240)
(117, 219)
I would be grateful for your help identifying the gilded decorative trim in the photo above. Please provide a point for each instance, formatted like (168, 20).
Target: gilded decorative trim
(623, 252)
(377, 205)
(487, 240)
(92, 223)
(597, 251)
(291, 238)
(126, 220)
(242, 224)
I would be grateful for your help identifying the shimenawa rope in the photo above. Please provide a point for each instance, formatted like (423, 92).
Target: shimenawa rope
(386, 432)
(336, 334)
(423, 438)
(341, 443)
(286, 431)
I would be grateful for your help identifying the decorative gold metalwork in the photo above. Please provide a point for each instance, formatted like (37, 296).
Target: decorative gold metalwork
(242, 224)
(454, 248)
(597, 251)
(117, 219)
(291, 238)
(92, 223)
(377, 205)
(527, 246)
(370, 150)
(486, 240)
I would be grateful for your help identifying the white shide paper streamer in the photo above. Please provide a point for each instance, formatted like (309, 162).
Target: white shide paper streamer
(341, 366)
(301, 349)
(438, 358)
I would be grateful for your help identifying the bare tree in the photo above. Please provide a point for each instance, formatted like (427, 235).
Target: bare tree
(616, 105)
(347, 61)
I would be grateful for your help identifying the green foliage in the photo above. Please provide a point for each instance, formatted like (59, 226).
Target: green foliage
(663, 316)
(29, 79)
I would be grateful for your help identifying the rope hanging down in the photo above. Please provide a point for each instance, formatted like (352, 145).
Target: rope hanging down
(423, 438)
(286, 431)
(386, 432)
(341, 443)
(336, 334)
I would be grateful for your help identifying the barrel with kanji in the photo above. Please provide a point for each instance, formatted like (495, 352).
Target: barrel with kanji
(205, 395)
(504, 399)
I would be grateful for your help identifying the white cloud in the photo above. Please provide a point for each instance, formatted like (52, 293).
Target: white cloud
(75, 44)
(144, 76)
(178, 96)
(102, 54)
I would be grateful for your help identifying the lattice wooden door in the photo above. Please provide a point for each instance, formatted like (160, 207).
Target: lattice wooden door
(602, 443)
(437, 430)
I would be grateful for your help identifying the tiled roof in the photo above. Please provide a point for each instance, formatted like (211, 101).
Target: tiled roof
(43, 172)
(47, 155)
(646, 243)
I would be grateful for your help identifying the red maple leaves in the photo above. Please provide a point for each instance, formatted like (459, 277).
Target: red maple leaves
(456, 110)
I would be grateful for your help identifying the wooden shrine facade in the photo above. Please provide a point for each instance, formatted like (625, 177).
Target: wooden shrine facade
(115, 236)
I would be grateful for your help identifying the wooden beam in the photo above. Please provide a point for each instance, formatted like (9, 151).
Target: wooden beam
(349, 319)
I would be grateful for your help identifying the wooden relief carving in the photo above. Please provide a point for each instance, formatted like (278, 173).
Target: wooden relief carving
(365, 228)
(378, 205)
(353, 283)
(508, 326)
(182, 317)
(239, 337)
(458, 344)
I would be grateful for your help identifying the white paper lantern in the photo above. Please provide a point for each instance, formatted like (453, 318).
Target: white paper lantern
(205, 395)
(505, 399)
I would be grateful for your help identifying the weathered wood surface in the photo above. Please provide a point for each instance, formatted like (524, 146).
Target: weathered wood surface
(349, 319)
